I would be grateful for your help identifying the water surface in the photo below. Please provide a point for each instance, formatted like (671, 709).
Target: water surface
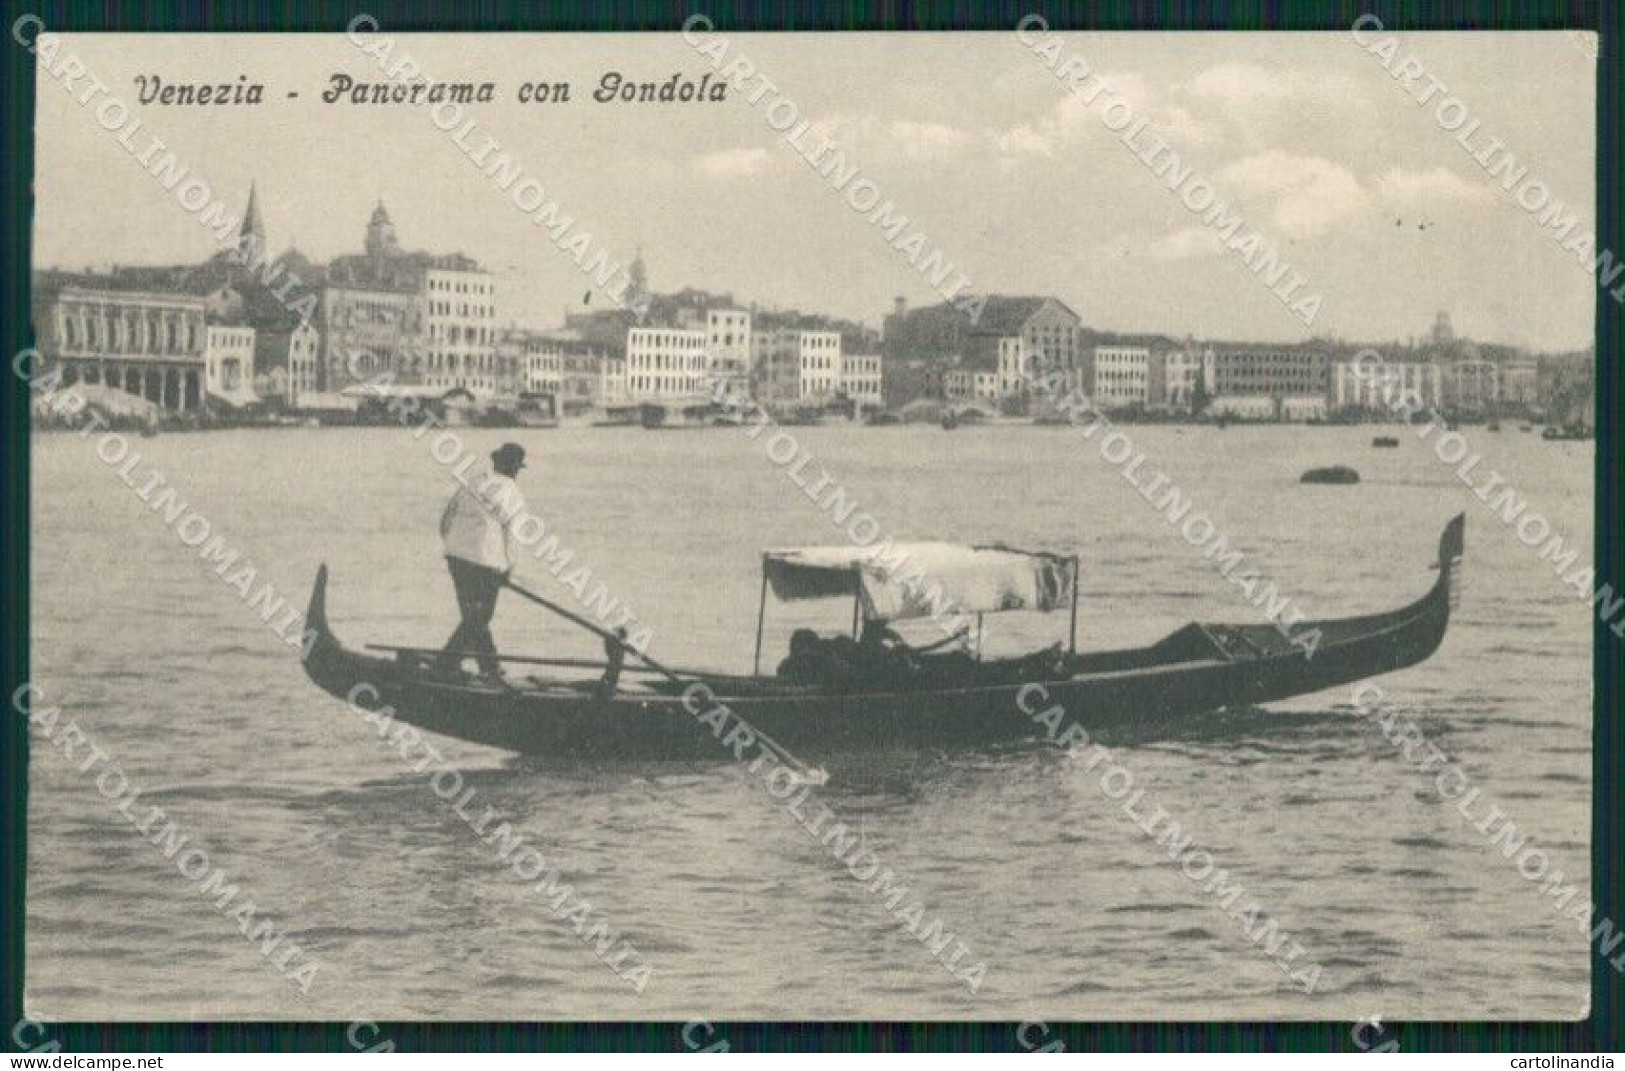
(1075, 912)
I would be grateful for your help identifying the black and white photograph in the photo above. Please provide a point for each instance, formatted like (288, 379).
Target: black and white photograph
(707, 527)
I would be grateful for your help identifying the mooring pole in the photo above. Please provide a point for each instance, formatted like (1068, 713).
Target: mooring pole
(761, 615)
(1072, 640)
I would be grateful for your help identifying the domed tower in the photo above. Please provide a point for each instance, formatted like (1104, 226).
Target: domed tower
(1443, 334)
(381, 234)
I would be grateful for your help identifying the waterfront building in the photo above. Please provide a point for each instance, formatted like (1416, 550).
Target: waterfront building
(559, 363)
(665, 363)
(661, 369)
(818, 372)
(1374, 386)
(1471, 385)
(533, 361)
(285, 362)
(420, 318)
(796, 355)
(1520, 384)
(304, 344)
(509, 347)
(862, 379)
(368, 331)
(971, 385)
(1013, 371)
(228, 363)
(1122, 376)
(727, 344)
(921, 345)
(150, 344)
(460, 325)
(612, 388)
(798, 365)
(1265, 371)
(1179, 383)
(581, 374)
(690, 308)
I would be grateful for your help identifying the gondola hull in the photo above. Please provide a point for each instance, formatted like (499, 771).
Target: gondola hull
(1197, 669)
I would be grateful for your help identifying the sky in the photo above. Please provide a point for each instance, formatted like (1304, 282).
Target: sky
(1018, 183)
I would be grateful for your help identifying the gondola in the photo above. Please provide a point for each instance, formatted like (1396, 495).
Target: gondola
(956, 702)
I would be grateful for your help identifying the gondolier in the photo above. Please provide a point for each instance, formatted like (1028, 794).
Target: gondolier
(477, 530)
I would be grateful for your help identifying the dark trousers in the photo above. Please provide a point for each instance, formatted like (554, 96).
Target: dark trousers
(477, 587)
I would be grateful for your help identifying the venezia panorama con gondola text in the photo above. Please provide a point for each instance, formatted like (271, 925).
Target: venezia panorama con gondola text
(613, 88)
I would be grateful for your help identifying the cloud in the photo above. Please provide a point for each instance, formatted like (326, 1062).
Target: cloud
(1025, 141)
(1434, 186)
(929, 139)
(871, 138)
(1303, 196)
(1072, 121)
(1242, 86)
(732, 163)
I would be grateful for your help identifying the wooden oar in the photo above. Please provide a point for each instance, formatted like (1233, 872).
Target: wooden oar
(569, 615)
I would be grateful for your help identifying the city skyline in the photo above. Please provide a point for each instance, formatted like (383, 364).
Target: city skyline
(716, 200)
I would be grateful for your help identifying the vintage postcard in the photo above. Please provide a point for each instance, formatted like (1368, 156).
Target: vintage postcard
(700, 526)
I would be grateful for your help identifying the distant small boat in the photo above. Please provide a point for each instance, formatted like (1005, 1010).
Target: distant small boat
(1333, 474)
(1571, 433)
(1385, 442)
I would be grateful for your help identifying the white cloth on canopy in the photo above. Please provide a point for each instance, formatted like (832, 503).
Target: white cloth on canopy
(897, 581)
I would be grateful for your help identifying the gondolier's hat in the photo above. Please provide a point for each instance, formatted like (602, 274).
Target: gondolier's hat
(508, 455)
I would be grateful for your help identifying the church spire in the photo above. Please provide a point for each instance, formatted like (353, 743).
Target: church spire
(251, 237)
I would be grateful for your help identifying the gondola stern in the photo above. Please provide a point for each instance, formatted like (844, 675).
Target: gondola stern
(316, 612)
(1453, 543)
(330, 665)
(326, 660)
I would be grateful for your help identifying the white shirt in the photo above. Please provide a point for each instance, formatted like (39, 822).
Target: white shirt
(478, 523)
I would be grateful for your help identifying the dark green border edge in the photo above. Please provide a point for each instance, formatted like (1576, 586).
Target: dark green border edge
(1602, 1032)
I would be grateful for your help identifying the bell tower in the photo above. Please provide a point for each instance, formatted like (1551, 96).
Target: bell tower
(381, 233)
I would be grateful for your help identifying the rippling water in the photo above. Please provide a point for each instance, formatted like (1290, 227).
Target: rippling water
(1408, 910)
